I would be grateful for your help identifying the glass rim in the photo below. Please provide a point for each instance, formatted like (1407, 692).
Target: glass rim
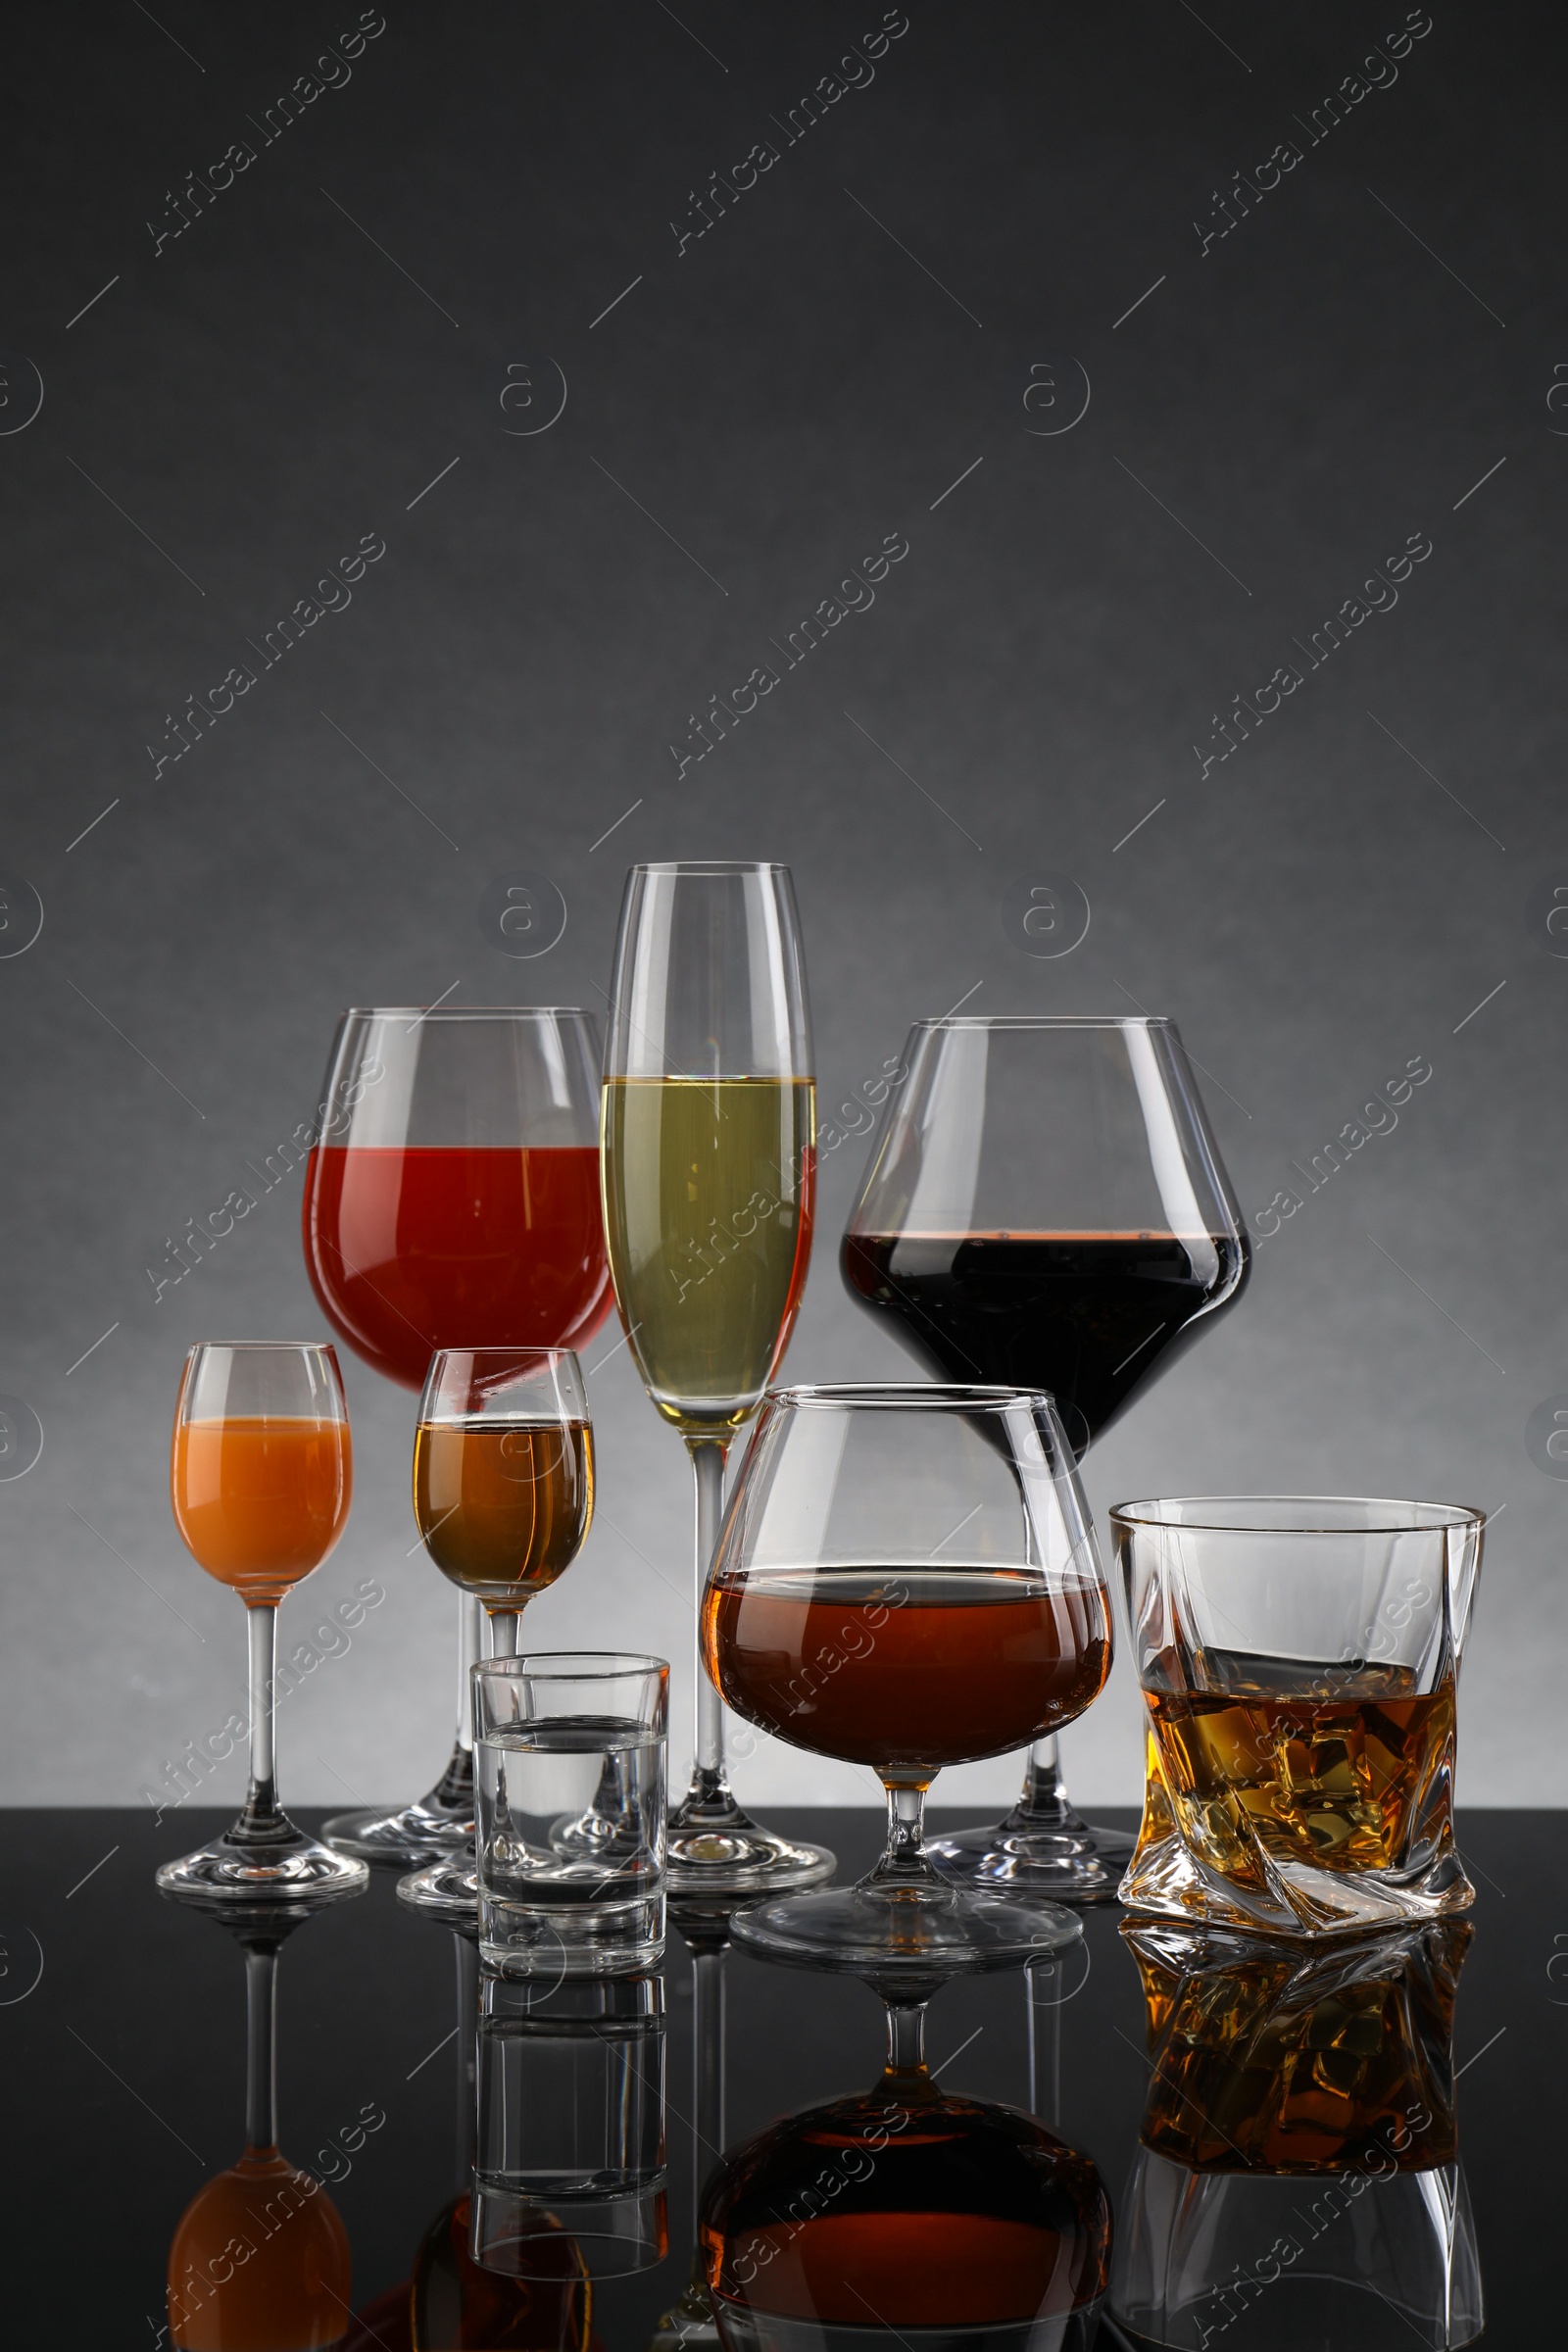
(1043, 1020)
(573, 1665)
(511, 1355)
(259, 1346)
(1383, 1515)
(933, 1395)
(467, 1012)
(709, 865)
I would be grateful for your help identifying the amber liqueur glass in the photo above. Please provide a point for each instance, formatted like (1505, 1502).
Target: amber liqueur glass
(908, 2215)
(260, 1476)
(504, 1498)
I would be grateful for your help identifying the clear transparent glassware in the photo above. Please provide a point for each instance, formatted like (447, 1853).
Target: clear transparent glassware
(709, 1142)
(1047, 1208)
(452, 1200)
(1297, 2181)
(502, 1499)
(569, 1750)
(907, 1578)
(909, 2215)
(572, 2143)
(1299, 1658)
(260, 1477)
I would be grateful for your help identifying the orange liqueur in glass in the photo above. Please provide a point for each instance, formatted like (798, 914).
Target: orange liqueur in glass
(260, 1501)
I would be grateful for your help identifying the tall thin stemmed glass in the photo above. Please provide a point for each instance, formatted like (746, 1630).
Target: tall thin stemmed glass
(708, 1149)
(260, 1475)
(452, 1200)
(504, 1498)
(1047, 1208)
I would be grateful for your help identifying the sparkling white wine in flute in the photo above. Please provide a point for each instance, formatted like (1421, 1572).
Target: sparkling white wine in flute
(710, 1169)
(1047, 1208)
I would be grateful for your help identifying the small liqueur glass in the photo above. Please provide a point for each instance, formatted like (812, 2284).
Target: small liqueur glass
(260, 1475)
(1297, 1657)
(907, 1578)
(570, 1776)
(504, 1498)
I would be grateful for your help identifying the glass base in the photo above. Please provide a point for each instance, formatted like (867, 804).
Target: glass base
(1037, 1852)
(289, 1866)
(440, 1819)
(1280, 1897)
(446, 1889)
(892, 1932)
(714, 1847)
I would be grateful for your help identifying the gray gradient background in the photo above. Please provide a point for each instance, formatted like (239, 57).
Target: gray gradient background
(781, 395)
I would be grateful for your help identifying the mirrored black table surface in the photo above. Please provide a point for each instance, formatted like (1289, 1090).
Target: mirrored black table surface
(123, 2025)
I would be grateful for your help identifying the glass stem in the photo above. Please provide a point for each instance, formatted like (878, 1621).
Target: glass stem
(456, 1784)
(505, 1624)
(261, 1819)
(1045, 1796)
(907, 2038)
(708, 2067)
(710, 1783)
(467, 1953)
(1042, 1984)
(904, 1864)
(470, 1649)
(261, 2050)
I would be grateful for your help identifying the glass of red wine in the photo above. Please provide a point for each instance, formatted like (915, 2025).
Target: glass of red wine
(1047, 1208)
(453, 1201)
(907, 1578)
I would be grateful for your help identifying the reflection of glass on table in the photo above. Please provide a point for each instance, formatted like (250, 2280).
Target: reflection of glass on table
(1297, 2181)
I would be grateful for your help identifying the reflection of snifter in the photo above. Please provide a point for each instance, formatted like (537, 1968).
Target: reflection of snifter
(908, 2216)
(1300, 2128)
(259, 2255)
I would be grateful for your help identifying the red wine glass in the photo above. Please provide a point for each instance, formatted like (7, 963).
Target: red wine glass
(453, 1201)
(1047, 1208)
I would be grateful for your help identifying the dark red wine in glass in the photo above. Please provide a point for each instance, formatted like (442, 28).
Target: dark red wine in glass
(1048, 1209)
(452, 1200)
(407, 1246)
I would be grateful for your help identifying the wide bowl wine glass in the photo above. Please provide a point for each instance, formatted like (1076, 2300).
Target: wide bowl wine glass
(260, 1475)
(452, 1200)
(1047, 1208)
(504, 1498)
(907, 1578)
(708, 1147)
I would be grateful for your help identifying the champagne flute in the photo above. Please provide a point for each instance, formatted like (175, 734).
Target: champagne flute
(1048, 1206)
(260, 1476)
(452, 1200)
(709, 1155)
(504, 1497)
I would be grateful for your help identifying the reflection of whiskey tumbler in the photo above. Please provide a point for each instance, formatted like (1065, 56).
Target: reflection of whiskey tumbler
(571, 2126)
(1299, 2136)
(1297, 1657)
